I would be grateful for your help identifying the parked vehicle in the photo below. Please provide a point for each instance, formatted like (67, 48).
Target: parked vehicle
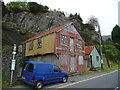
(40, 73)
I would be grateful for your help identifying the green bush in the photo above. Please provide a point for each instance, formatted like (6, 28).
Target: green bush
(36, 8)
(112, 53)
(16, 7)
(86, 34)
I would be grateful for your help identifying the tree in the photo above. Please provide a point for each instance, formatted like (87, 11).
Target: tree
(112, 53)
(93, 21)
(77, 16)
(116, 34)
(87, 26)
(4, 9)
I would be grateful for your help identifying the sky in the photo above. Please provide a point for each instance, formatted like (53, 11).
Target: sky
(105, 10)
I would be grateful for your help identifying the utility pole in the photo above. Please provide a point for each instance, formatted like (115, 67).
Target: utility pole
(13, 64)
(100, 46)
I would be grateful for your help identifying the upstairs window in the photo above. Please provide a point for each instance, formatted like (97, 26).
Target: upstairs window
(63, 40)
(80, 44)
(39, 43)
(31, 45)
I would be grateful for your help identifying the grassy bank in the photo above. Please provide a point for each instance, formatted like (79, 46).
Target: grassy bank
(113, 66)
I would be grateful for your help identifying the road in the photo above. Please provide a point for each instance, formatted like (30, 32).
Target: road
(98, 80)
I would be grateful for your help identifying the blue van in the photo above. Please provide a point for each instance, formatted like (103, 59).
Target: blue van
(40, 73)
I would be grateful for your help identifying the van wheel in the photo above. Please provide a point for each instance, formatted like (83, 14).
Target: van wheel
(64, 79)
(39, 84)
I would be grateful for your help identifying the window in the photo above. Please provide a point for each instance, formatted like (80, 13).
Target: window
(20, 48)
(63, 40)
(56, 69)
(80, 60)
(72, 46)
(29, 67)
(31, 45)
(80, 44)
(63, 60)
(97, 58)
(39, 43)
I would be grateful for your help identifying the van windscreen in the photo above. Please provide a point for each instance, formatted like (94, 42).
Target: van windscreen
(29, 67)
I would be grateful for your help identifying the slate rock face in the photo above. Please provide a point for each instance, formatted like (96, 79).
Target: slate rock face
(41, 22)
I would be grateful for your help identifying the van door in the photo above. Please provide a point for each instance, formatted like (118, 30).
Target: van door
(27, 72)
(57, 75)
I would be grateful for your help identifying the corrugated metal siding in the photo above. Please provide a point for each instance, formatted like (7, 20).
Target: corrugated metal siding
(47, 45)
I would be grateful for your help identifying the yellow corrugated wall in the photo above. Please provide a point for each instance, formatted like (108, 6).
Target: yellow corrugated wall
(47, 45)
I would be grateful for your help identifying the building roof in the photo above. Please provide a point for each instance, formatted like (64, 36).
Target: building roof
(88, 49)
(46, 33)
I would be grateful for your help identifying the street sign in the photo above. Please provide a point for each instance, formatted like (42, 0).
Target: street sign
(13, 64)
(14, 52)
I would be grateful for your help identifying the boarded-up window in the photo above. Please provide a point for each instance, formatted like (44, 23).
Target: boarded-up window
(20, 48)
(63, 40)
(80, 60)
(72, 44)
(39, 43)
(63, 60)
(31, 45)
(80, 44)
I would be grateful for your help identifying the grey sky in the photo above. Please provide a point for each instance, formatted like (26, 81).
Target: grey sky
(105, 10)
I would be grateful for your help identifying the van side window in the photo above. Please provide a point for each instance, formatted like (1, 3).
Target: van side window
(56, 69)
(29, 67)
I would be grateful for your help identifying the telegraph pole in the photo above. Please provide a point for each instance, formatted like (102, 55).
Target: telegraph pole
(100, 46)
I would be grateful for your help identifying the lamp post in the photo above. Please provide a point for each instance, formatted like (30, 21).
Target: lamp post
(100, 46)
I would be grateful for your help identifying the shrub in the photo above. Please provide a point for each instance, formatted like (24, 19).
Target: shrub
(36, 8)
(112, 53)
(16, 7)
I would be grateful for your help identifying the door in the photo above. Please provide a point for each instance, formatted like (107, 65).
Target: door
(72, 64)
(72, 44)
(27, 72)
(57, 74)
(91, 63)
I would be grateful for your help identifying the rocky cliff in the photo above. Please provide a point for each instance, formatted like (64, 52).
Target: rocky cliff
(35, 24)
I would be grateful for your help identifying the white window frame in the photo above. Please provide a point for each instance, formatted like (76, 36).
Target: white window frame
(65, 40)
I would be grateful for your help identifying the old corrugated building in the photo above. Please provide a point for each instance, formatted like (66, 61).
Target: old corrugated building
(92, 58)
(62, 45)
